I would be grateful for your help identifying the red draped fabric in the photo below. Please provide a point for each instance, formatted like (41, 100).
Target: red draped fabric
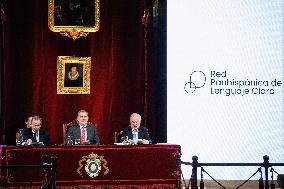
(29, 53)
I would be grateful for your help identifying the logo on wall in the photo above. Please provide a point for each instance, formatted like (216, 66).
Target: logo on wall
(93, 165)
(197, 79)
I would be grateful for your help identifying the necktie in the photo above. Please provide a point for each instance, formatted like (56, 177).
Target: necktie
(83, 135)
(34, 137)
(37, 137)
(135, 134)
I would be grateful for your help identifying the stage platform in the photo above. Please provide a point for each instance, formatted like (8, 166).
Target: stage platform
(95, 166)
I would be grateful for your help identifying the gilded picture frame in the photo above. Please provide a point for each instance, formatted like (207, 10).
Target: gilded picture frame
(73, 75)
(74, 18)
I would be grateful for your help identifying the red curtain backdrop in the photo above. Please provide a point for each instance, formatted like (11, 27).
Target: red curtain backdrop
(29, 53)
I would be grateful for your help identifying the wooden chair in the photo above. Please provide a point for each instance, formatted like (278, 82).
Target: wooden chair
(19, 136)
(65, 128)
(117, 136)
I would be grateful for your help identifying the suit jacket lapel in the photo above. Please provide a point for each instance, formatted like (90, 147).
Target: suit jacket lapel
(139, 133)
(77, 132)
(130, 132)
(88, 131)
(40, 136)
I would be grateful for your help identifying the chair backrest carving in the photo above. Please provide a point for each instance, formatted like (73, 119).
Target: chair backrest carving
(117, 136)
(65, 128)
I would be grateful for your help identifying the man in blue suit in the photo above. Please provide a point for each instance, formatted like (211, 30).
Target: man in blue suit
(134, 132)
(83, 131)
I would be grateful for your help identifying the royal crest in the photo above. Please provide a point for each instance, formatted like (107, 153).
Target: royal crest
(93, 165)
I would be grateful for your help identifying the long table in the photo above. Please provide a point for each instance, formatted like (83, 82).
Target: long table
(95, 166)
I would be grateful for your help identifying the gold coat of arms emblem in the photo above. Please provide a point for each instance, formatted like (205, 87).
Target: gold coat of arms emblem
(93, 165)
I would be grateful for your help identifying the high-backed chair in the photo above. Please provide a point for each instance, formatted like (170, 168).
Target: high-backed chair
(65, 128)
(117, 136)
(19, 136)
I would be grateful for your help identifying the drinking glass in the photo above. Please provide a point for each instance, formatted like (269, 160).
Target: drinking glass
(77, 141)
(87, 142)
(69, 140)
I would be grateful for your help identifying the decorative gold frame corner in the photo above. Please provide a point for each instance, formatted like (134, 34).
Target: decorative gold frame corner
(75, 31)
(63, 62)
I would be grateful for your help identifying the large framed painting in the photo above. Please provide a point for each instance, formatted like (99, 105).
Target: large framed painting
(73, 75)
(74, 18)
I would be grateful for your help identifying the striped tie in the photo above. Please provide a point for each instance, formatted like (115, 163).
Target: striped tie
(83, 135)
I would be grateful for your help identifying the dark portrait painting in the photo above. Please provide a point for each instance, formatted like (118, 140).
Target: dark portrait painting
(74, 12)
(73, 75)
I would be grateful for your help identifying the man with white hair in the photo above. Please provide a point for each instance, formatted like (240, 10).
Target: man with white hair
(135, 133)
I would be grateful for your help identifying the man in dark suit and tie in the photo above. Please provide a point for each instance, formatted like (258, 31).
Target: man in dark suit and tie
(134, 132)
(83, 132)
(36, 135)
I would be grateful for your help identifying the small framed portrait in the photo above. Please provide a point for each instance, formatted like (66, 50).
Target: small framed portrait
(73, 75)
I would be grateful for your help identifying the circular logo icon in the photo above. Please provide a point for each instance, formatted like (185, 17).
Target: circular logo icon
(197, 79)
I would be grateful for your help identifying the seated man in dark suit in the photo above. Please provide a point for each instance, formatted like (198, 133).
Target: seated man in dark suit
(29, 122)
(36, 135)
(134, 132)
(19, 134)
(83, 131)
